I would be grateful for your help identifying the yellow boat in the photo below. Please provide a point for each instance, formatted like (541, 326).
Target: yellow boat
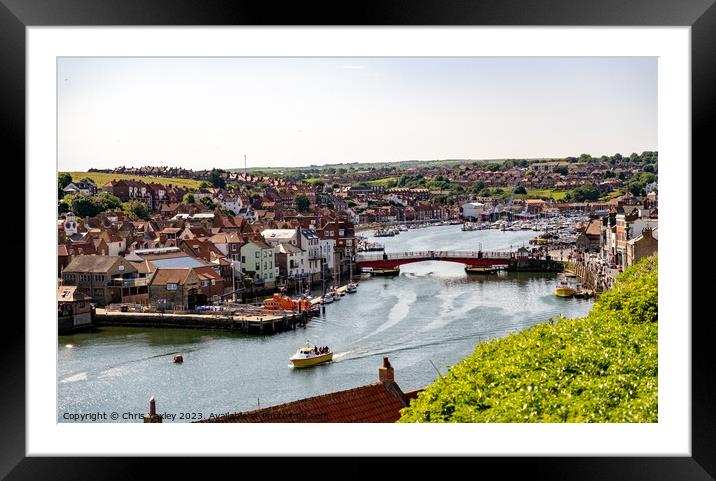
(564, 288)
(310, 355)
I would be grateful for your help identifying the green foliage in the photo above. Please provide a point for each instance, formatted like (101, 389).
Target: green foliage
(137, 210)
(63, 180)
(302, 203)
(189, 199)
(561, 170)
(217, 178)
(208, 203)
(600, 368)
(637, 184)
(583, 193)
(84, 205)
(520, 190)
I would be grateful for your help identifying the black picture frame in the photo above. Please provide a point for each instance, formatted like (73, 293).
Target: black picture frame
(700, 15)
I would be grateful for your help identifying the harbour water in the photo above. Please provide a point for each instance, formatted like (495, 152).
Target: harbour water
(432, 313)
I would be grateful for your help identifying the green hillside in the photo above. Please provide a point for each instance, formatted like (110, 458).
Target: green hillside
(600, 368)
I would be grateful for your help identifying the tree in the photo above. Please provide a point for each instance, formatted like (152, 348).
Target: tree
(63, 207)
(204, 184)
(634, 157)
(586, 192)
(520, 190)
(137, 210)
(585, 158)
(302, 203)
(217, 178)
(188, 199)
(84, 205)
(561, 170)
(63, 180)
(649, 168)
(208, 203)
(107, 201)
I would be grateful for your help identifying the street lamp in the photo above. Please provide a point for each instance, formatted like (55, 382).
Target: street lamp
(233, 281)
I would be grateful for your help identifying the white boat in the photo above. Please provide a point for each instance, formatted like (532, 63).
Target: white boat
(327, 298)
(351, 287)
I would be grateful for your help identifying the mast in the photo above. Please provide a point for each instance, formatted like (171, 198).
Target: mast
(244, 166)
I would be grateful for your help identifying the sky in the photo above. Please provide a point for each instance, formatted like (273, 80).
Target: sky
(201, 113)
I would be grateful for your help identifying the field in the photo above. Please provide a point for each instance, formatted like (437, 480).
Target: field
(386, 182)
(101, 178)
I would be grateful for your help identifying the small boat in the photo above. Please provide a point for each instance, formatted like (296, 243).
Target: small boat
(310, 355)
(388, 271)
(565, 288)
(351, 287)
(481, 269)
(327, 298)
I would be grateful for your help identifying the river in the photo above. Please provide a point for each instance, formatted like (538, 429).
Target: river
(432, 313)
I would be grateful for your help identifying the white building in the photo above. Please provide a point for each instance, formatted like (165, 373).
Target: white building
(472, 210)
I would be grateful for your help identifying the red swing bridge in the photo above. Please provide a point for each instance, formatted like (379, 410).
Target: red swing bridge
(511, 261)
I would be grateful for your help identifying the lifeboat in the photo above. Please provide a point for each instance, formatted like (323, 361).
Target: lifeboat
(285, 303)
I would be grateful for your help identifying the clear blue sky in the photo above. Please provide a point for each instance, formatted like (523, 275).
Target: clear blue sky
(209, 112)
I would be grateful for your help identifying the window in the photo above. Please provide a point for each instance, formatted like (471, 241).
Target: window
(171, 287)
(243, 259)
(341, 232)
(99, 277)
(233, 247)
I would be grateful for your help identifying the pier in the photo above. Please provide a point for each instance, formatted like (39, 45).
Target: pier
(269, 323)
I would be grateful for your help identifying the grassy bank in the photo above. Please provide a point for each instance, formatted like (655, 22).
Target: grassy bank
(101, 178)
(600, 368)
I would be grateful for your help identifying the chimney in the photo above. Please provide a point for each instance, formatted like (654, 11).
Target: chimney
(385, 373)
(152, 417)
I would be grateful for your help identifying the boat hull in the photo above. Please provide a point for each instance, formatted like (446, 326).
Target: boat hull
(386, 272)
(564, 292)
(480, 270)
(311, 361)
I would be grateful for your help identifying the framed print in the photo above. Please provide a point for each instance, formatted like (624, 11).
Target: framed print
(256, 210)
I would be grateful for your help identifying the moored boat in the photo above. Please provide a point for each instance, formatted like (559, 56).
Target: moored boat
(351, 287)
(327, 298)
(310, 355)
(481, 269)
(388, 271)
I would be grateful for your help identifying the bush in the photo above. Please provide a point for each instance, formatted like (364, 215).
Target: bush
(600, 368)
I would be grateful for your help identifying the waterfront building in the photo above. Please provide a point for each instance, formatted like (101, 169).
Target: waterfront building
(292, 261)
(73, 309)
(106, 279)
(472, 210)
(258, 261)
(184, 288)
(645, 245)
(590, 239)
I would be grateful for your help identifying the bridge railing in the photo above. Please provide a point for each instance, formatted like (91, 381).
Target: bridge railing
(395, 256)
